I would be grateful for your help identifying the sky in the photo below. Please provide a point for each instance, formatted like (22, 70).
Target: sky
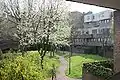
(85, 7)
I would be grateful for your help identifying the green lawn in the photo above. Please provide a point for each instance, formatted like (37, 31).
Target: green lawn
(77, 63)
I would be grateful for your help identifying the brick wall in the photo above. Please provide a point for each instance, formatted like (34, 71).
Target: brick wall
(117, 41)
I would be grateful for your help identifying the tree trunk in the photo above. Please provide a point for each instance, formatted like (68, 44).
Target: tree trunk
(23, 53)
(50, 53)
(53, 53)
(70, 54)
(42, 58)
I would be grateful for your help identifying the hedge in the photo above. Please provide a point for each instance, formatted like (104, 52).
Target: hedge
(102, 69)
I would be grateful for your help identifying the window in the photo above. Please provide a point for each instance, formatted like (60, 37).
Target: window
(82, 32)
(84, 40)
(93, 17)
(88, 17)
(88, 23)
(79, 40)
(96, 24)
(87, 32)
(79, 32)
(107, 31)
(99, 31)
(102, 14)
(75, 40)
(94, 31)
(101, 21)
(91, 39)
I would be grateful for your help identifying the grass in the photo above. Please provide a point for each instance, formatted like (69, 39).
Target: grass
(77, 63)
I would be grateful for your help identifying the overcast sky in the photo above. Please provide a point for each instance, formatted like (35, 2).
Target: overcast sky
(85, 7)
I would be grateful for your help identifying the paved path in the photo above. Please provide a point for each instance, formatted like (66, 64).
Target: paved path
(61, 70)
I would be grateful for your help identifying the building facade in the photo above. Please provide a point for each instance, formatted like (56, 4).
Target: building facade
(96, 34)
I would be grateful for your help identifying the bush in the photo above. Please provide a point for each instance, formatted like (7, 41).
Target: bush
(102, 69)
(25, 68)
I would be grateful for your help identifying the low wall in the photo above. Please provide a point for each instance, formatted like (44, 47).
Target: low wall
(89, 76)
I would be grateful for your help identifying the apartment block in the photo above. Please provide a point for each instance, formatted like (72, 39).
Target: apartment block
(96, 35)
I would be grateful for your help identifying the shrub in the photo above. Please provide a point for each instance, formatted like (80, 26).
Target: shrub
(102, 69)
(25, 68)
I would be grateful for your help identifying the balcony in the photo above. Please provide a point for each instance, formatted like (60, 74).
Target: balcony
(106, 41)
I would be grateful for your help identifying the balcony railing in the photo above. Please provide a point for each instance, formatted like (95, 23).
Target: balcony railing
(91, 36)
(106, 41)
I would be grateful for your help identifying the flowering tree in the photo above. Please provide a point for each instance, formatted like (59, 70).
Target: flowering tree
(37, 22)
(54, 14)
